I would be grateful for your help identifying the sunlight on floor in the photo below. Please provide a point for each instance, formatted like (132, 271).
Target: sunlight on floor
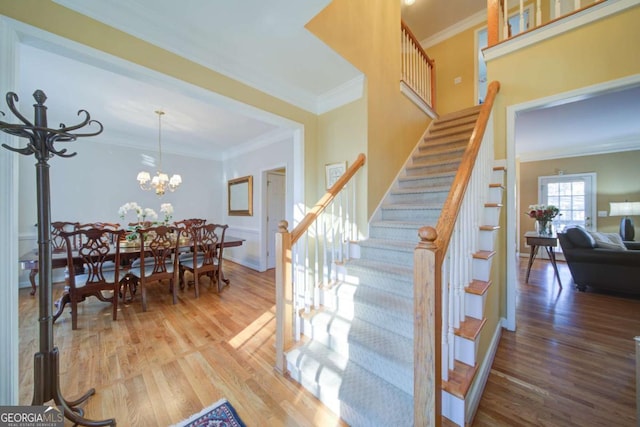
(253, 329)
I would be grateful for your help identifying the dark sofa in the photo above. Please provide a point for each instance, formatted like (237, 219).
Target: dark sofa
(597, 267)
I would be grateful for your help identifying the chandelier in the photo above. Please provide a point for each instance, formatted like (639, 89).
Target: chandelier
(161, 181)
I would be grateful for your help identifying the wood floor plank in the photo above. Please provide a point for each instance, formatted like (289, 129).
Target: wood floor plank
(571, 361)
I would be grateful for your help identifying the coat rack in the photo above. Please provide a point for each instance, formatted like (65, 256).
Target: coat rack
(46, 377)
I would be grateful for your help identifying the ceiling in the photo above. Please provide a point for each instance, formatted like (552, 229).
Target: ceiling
(265, 45)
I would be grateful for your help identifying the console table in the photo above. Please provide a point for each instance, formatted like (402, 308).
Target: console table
(548, 242)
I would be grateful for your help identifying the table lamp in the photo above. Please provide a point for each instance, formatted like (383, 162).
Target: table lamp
(625, 210)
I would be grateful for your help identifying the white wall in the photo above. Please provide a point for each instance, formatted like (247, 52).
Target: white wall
(92, 185)
(253, 228)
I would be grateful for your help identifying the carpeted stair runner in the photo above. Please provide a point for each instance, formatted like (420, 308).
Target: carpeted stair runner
(359, 359)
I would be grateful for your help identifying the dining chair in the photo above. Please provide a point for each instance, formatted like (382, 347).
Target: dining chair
(101, 225)
(94, 253)
(157, 260)
(186, 233)
(206, 258)
(57, 241)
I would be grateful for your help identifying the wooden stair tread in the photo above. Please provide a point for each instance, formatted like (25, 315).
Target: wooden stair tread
(496, 185)
(470, 328)
(493, 205)
(484, 254)
(478, 287)
(500, 168)
(446, 422)
(460, 113)
(460, 379)
(489, 227)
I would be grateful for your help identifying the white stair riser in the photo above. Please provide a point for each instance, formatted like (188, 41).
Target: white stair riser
(481, 269)
(497, 176)
(474, 305)
(466, 351)
(495, 195)
(487, 240)
(453, 408)
(491, 215)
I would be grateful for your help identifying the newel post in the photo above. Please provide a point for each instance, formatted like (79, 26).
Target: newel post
(427, 326)
(284, 295)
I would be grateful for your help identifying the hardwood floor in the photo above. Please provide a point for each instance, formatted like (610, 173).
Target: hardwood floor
(570, 362)
(158, 367)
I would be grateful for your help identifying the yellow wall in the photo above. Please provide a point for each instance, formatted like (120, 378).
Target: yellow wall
(342, 135)
(617, 180)
(455, 57)
(367, 33)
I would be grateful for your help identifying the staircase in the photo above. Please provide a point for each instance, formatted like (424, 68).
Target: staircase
(357, 354)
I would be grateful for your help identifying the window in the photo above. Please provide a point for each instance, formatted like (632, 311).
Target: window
(574, 195)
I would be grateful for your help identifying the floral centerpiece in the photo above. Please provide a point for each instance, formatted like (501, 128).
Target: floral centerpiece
(544, 215)
(167, 210)
(143, 215)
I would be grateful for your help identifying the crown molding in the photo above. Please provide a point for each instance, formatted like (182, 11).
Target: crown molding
(615, 145)
(273, 137)
(469, 22)
(341, 95)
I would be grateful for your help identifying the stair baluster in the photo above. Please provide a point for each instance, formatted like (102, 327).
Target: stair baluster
(297, 283)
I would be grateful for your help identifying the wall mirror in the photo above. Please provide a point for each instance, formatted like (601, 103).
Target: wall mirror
(240, 193)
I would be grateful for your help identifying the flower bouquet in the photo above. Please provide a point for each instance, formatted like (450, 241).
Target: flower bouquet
(544, 215)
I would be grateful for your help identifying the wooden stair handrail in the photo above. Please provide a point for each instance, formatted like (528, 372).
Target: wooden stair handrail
(447, 219)
(406, 28)
(326, 200)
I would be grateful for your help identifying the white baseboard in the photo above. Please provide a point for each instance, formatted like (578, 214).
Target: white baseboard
(475, 393)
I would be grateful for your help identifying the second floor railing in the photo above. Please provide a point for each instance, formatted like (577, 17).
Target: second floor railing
(418, 70)
(528, 15)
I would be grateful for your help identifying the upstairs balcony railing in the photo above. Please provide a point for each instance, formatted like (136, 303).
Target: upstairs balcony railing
(500, 14)
(418, 70)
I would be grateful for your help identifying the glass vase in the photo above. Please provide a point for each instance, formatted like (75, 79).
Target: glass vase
(544, 228)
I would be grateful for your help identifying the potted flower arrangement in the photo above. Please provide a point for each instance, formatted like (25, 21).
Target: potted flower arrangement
(544, 215)
(142, 214)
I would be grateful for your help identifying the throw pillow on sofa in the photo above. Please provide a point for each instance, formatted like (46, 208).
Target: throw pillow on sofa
(608, 241)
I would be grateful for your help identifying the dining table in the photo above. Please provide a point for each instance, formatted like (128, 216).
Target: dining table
(29, 261)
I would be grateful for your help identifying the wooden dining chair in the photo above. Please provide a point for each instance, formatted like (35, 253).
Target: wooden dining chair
(206, 258)
(94, 253)
(57, 241)
(157, 261)
(186, 233)
(57, 247)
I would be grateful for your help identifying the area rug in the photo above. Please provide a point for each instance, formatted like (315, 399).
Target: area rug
(220, 414)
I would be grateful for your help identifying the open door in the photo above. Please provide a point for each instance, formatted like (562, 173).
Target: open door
(276, 193)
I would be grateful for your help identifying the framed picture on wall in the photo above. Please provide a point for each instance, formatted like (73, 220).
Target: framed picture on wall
(333, 172)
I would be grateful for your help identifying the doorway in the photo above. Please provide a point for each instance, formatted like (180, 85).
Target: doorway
(276, 210)
(574, 195)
